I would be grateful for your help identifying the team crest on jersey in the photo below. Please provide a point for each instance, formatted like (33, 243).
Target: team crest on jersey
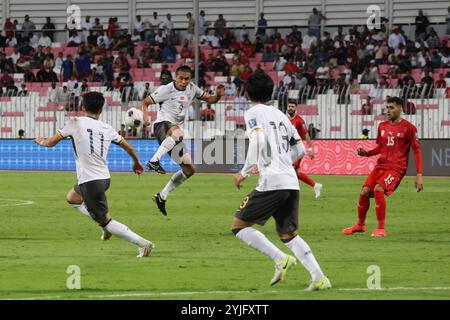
(182, 98)
(252, 123)
(400, 134)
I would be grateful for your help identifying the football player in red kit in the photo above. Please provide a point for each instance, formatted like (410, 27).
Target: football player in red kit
(395, 138)
(302, 130)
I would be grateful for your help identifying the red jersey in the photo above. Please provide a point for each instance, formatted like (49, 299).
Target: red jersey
(394, 141)
(300, 125)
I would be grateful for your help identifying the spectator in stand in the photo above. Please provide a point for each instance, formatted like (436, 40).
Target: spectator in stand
(190, 26)
(186, 51)
(406, 79)
(11, 41)
(121, 62)
(364, 134)
(34, 40)
(112, 29)
(7, 82)
(74, 39)
(314, 22)
(96, 31)
(279, 63)
(52, 92)
(139, 27)
(58, 62)
(63, 96)
(169, 53)
(367, 76)
(245, 75)
(229, 87)
(409, 108)
(49, 28)
(96, 76)
(48, 62)
(136, 38)
(86, 27)
(125, 76)
(447, 93)
(237, 68)
(83, 65)
(103, 40)
(262, 26)
(45, 40)
(396, 38)
(208, 114)
(240, 103)
(84, 87)
(435, 60)
(248, 48)
(165, 76)
(440, 83)
(23, 91)
(159, 38)
(203, 24)
(167, 25)
(341, 89)
(367, 108)
(220, 25)
(309, 40)
(146, 92)
(323, 74)
(422, 23)
(290, 67)
(409, 91)
(427, 85)
(433, 40)
(155, 23)
(27, 27)
(375, 91)
(9, 28)
(29, 76)
(268, 55)
(295, 33)
(67, 68)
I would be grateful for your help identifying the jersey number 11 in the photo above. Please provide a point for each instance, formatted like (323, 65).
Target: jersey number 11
(91, 141)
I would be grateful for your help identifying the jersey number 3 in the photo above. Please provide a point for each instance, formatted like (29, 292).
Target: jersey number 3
(91, 141)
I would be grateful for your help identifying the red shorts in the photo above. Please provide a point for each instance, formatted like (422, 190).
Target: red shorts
(388, 179)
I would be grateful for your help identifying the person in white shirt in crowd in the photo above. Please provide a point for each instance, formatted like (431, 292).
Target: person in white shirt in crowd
(323, 73)
(86, 27)
(160, 37)
(103, 40)
(230, 87)
(240, 103)
(52, 92)
(15, 55)
(308, 40)
(155, 22)
(139, 26)
(167, 25)
(279, 63)
(45, 41)
(288, 79)
(11, 42)
(34, 40)
(203, 24)
(244, 34)
(136, 38)
(74, 40)
(374, 92)
(396, 38)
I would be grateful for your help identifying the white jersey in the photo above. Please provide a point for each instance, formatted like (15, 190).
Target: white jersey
(173, 103)
(90, 140)
(275, 168)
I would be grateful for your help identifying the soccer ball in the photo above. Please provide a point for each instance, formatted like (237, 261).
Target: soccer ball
(134, 118)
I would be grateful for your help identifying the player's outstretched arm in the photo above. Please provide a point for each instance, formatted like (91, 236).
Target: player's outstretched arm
(144, 106)
(137, 166)
(49, 142)
(209, 98)
(310, 149)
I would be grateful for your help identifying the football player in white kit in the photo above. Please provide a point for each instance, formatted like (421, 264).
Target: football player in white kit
(174, 100)
(91, 139)
(274, 144)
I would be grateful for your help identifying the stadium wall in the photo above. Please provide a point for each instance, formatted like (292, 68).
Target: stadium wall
(334, 157)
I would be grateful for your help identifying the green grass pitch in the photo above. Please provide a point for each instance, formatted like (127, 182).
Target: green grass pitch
(196, 255)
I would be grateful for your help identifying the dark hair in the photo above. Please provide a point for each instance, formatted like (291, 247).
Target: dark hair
(183, 68)
(395, 100)
(259, 87)
(292, 101)
(93, 102)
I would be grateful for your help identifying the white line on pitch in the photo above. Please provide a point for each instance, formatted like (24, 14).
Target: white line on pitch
(20, 202)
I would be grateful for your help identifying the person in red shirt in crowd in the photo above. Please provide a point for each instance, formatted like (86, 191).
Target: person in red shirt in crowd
(208, 114)
(410, 107)
(277, 44)
(302, 130)
(447, 93)
(112, 28)
(248, 48)
(246, 73)
(290, 67)
(396, 137)
(9, 28)
(367, 108)
(441, 82)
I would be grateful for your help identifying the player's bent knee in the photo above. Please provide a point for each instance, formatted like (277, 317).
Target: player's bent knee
(73, 198)
(287, 236)
(366, 192)
(379, 188)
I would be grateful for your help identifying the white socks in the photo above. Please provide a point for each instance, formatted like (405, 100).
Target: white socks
(120, 230)
(303, 253)
(167, 145)
(82, 208)
(178, 178)
(258, 241)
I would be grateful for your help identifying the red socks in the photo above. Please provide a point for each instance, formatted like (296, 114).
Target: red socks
(380, 210)
(363, 207)
(303, 177)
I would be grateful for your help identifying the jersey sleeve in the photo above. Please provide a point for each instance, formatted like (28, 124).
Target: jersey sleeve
(301, 127)
(252, 122)
(198, 92)
(115, 137)
(161, 94)
(68, 129)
